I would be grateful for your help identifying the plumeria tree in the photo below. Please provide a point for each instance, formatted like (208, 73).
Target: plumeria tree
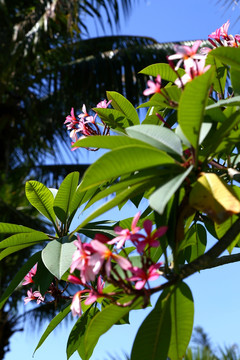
(182, 159)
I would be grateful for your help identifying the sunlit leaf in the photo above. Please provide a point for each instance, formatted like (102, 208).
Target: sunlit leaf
(57, 256)
(213, 197)
(120, 103)
(164, 70)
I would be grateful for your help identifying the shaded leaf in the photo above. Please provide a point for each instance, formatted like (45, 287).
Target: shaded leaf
(120, 103)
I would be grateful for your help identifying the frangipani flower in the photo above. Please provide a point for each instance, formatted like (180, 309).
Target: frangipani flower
(94, 295)
(29, 277)
(143, 277)
(80, 261)
(103, 104)
(104, 254)
(186, 53)
(198, 68)
(151, 238)
(36, 295)
(76, 303)
(125, 234)
(153, 87)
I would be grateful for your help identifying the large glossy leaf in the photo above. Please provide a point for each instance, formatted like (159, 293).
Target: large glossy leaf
(104, 320)
(163, 194)
(41, 198)
(57, 256)
(182, 312)
(53, 324)
(215, 198)
(228, 55)
(64, 196)
(6, 228)
(107, 142)
(76, 337)
(23, 239)
(120, 103)
(80, 197)
(157, 136)
(122, 161)
(167, 329)
(164, 70)
(192, 106)
(28, 265)
(221, 229)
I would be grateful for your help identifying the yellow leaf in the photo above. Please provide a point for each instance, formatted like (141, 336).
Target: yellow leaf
(213, 197)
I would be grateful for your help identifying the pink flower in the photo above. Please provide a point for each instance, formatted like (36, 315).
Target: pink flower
(29, 277)
(224, 30)
(87, 118)
(94, 295)
(150, 239)
(198, 68)
(103, 104)
(153, 87)
(36, 295)
(143, 277)
(125, 234)
(104, 254)
(186, 53)
(76, 303)
(71, 119)
(81, 259)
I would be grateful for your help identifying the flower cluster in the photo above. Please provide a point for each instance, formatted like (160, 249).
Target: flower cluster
(85, 124)
(98, 261)
(220, 37)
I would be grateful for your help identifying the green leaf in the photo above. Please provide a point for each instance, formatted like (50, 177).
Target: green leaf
(117, 200)
(41, 198)
(107, 142)
(120, 103)
(53, 324)
(13, 249)
(28, 265)
(219, 80)
(164, 70)
(148, 175)
(197, 237)
(122, 161)
(64, 196)
(79, 198)
(43, 277)
(159, 99)
(157, 136)
(226, 102)
(192, 106)
(104, 320)
(57, 256)
(221, 229)
(163, 194)
(182, 312)
(76, 337)
(23, 239)
(153, 337)
(115, 119)
(6, 228)
(228, 55)
(235, 76)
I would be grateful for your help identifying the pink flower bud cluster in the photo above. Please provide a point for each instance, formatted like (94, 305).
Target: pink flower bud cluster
(85, 124)
(98, 261)
(36, 295)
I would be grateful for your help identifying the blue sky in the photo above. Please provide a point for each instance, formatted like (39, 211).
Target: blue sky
(216, 292)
